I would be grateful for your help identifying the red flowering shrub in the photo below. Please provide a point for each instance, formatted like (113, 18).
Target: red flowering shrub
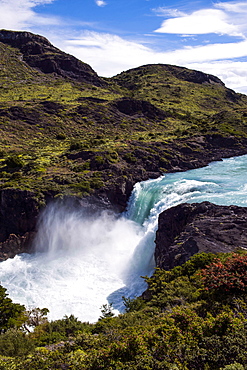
(230, 275)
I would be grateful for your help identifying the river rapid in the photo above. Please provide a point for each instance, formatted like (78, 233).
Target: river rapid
(82, 262)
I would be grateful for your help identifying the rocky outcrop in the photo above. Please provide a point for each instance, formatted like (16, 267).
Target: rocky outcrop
(187, 229)
(151, 160)
(132, 107)
(18, 216)
(39, 53)
(16, 244)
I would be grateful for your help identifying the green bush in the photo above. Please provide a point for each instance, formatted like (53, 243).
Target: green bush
(57, 330)
(234, 366)
(15, 343)
(134, 304)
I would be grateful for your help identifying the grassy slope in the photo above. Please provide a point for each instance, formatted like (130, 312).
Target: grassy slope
(191, 106)
(45, 120)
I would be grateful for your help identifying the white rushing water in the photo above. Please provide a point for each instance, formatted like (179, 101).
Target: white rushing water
(82, 262)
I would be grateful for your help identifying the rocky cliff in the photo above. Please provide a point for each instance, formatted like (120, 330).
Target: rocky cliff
(18, 216)
(187, 229)
(39, 53)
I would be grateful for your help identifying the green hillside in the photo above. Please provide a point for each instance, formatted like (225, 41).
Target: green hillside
(65, 133)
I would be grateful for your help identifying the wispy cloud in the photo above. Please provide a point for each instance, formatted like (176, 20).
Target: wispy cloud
(164, 12)
(234, 7)
(20, 14)
(218, 20)
(101, 3)
(101, 47)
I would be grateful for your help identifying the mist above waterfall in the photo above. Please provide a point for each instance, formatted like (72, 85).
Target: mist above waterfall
(71, 231)
(84, 260)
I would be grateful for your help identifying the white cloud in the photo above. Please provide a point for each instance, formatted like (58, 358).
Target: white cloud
(201, 22)
(100, 2)
(211, 52)
(19, 14)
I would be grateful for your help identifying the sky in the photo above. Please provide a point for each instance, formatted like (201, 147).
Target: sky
(115, 35)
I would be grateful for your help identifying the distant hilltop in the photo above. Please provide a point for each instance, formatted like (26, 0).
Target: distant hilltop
(39, 53)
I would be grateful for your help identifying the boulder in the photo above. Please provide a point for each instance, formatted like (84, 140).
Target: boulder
(187, 229)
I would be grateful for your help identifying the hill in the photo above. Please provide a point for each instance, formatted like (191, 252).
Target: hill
(65, 131)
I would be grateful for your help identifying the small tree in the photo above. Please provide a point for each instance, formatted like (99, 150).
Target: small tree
(106, 311)
(11, 314)
(35, 317)
(133, 304)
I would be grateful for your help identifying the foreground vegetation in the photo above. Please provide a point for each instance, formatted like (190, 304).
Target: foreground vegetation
(192, 317)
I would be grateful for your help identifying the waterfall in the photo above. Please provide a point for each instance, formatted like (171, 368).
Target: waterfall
(83, 261)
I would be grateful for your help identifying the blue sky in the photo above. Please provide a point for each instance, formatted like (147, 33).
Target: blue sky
(116, 35)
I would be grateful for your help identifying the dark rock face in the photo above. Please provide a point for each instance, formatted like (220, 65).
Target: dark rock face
(132, 107)
(18, 216)
(39, 53)
(144, 163)
(16, 244)
(30, 116)
(199, 227)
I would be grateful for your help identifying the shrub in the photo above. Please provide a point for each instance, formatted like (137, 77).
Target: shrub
(234, 366)
(15, 343)
(134, 304)
(61, 137)
(228, 276)
(75, 145)
(14, 161)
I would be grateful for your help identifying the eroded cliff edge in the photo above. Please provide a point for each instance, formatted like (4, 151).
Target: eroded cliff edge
(187, 229)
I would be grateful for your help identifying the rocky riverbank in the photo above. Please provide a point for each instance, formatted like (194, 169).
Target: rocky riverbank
(199, 227)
